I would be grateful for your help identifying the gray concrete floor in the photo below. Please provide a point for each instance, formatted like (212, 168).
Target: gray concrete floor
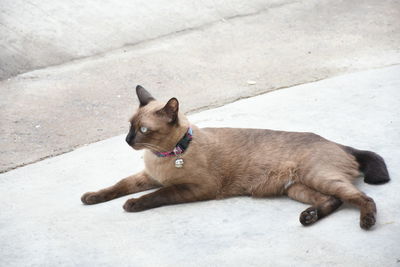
(37, 33)
(43, 223)
(206, 57)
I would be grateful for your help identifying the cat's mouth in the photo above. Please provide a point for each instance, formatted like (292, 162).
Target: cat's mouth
(137, 146)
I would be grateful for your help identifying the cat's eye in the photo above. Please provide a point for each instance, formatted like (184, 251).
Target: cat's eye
(143, 129)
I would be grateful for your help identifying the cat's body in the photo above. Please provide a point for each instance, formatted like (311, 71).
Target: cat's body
(224, 162)
(254, 162)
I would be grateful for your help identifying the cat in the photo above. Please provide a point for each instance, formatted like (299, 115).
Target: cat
(191, 164)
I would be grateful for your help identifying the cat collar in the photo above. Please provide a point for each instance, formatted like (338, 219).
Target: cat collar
(180, 148)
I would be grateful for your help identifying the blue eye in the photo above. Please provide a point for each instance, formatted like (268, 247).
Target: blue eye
(143, 129)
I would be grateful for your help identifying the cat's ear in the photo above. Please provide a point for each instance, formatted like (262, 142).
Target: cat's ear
(143, 96)
(170, 110)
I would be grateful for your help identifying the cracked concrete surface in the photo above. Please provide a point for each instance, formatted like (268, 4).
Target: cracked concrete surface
(43, 223)
(56, 109)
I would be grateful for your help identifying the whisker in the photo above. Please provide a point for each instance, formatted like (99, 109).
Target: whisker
(152, 146)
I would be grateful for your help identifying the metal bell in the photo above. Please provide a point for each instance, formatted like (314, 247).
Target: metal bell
(179, 163)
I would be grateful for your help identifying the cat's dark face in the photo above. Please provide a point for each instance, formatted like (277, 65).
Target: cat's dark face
(153, 124)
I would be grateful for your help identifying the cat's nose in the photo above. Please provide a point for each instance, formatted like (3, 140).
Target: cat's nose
(130, 137)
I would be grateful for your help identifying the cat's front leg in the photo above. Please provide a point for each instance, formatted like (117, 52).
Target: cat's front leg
(169, 195)
(132, 184)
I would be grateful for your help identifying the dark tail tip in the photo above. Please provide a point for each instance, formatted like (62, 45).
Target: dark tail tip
(372, 165)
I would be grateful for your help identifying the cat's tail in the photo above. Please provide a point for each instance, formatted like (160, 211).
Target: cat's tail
(371, 164)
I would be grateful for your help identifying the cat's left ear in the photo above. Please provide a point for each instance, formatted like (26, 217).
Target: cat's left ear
(143, 96)
(170, 110)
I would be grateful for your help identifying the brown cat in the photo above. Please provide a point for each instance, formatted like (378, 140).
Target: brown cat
(193, 164)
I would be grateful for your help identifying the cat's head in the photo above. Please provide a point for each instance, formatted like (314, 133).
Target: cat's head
(155, 125)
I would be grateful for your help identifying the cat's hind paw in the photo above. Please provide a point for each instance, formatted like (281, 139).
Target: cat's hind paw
(367, 221)
(309, 216)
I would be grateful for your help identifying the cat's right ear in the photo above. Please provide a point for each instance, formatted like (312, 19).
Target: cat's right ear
(143, 96)
(170, 110)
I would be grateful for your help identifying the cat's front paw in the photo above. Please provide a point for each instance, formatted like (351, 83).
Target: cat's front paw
(91, 198)
(134, 205)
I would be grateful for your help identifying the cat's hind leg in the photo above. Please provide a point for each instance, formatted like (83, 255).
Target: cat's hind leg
(339, 185)
(132, 184)
(322, 205)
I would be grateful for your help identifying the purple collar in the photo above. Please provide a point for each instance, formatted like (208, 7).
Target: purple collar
(180, 148)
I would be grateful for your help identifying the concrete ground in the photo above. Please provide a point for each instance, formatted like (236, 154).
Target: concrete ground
(204, 53)
(43, 223)
(37, 33)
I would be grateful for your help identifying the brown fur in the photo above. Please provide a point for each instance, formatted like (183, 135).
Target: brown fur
(225, 162)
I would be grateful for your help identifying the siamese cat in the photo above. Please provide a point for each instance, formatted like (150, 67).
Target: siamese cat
(189, 164)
